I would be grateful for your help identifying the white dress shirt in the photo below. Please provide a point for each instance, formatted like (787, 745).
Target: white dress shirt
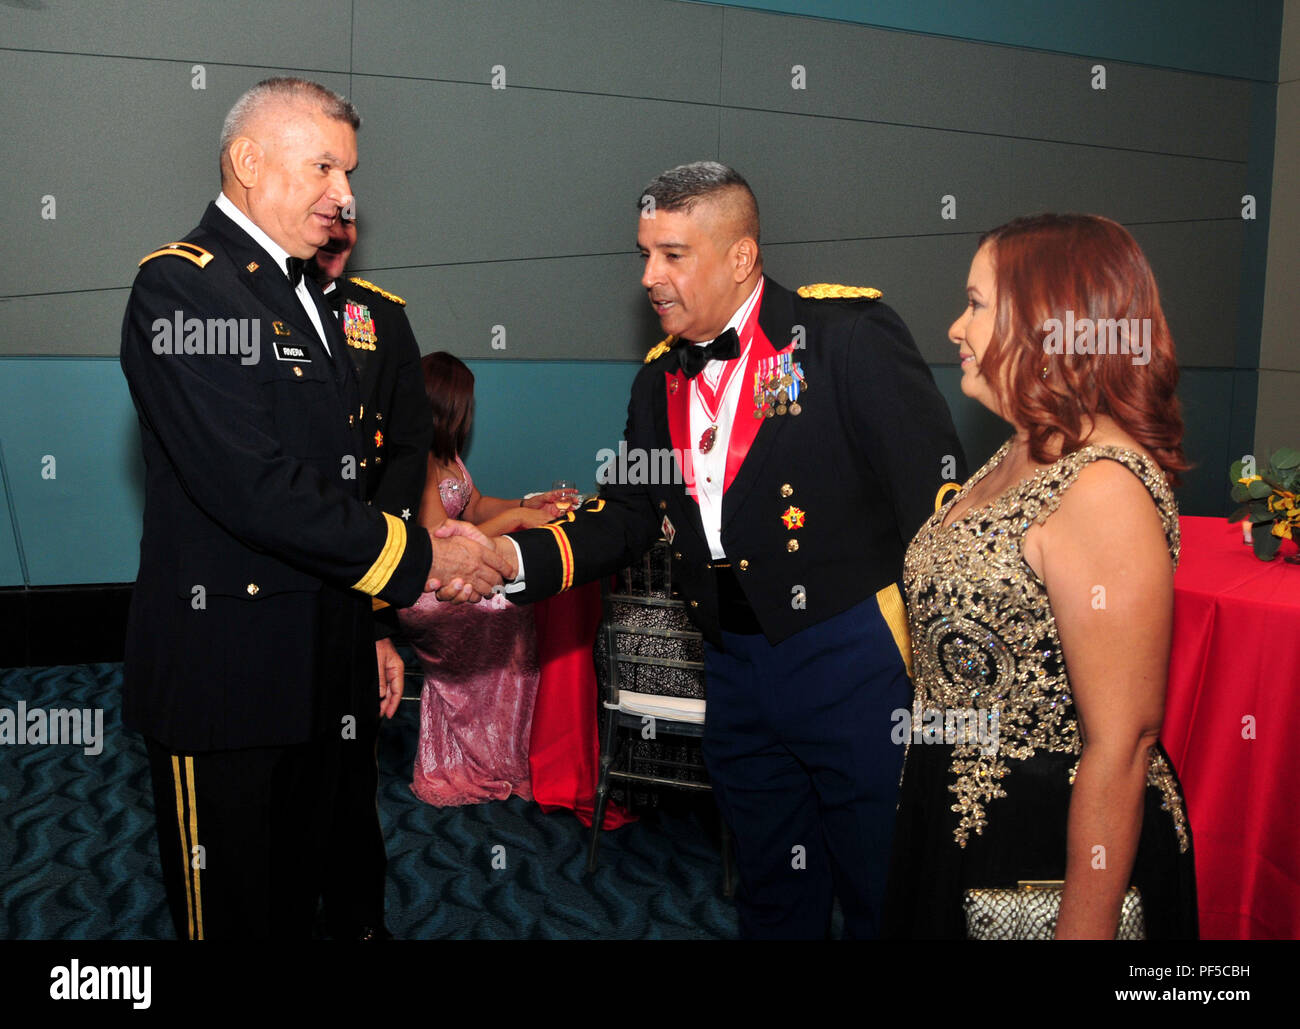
(280, 256)
(711, 468)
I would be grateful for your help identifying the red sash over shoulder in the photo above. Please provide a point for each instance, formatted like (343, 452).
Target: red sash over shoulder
(744, 426)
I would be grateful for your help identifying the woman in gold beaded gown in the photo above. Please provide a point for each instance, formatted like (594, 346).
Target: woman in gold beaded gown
(1040, 601)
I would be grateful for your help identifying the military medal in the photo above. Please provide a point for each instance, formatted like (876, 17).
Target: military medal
(777, 385)
(710, 398)
(358, 326)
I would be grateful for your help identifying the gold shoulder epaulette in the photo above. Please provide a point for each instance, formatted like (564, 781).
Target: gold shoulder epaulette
(375, 289)
(186, 250)
(660, 348)
(834, 291)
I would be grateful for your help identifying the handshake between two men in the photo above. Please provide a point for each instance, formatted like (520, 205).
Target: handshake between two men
(467, 565)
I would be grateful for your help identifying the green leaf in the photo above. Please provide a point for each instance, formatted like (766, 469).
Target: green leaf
(1240, 494)
(1259, 490)
(1266, 545)
(1235, 469)
(1240, 515)
(1261, 515)
(1285, 458)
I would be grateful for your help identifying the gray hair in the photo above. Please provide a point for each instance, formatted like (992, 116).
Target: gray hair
(284, 89)
(680, 188)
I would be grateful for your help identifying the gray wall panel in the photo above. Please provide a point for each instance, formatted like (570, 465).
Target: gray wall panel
(1278, 345)
(455, 307)
(131, 164)
(462, 173)
(287, 34)
(831, 179)
(1276, 425)
(924, 279)
(865, 73)
(824, 179)
(1197, 267)
(1121, 184)
(58, 324)
(599, 46)
(1207, 396)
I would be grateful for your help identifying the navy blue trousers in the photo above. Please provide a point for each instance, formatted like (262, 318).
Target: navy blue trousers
(797, 745)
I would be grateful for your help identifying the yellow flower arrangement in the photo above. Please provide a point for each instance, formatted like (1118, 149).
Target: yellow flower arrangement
(1268, 497)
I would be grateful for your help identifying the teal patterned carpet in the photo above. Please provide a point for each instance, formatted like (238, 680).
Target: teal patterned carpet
(78, 858)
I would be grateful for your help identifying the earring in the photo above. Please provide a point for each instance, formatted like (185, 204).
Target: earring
(1044, 371)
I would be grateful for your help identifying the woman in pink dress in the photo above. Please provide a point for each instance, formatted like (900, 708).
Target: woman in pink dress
(480, 660)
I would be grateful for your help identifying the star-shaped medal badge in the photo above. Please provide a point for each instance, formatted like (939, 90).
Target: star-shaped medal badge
(793, 518)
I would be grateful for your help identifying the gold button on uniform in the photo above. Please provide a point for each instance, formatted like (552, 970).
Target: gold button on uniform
(792, 545)
(253, 589)
(352, 419)
(744, 565)
(297, 371)
(787, 490)
(677, 555)
(695, 603)
(663, 505)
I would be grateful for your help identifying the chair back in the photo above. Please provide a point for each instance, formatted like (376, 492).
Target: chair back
(646, 644)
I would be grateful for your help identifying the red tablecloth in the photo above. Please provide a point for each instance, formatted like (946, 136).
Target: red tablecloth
(1234, 693)
(564, 750)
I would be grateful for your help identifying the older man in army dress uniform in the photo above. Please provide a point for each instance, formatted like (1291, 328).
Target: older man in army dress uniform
(250, 645)
(813, 441)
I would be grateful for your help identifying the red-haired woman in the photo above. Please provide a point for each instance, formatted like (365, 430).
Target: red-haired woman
(1040, 604)
(480, 660)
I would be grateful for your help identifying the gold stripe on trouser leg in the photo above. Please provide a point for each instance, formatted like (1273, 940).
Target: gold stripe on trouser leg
(201, 856)
(180, 831)
(893, 611)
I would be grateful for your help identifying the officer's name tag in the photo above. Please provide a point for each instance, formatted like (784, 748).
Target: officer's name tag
(291, 352)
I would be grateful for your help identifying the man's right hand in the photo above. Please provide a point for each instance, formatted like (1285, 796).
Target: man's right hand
(466, 564)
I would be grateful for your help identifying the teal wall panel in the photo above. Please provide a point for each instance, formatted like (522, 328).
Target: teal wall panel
(535, 421)
(1220, 37)
(83, 524)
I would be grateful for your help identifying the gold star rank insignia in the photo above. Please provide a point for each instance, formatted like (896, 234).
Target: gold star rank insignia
(379, 438)
(793, 518)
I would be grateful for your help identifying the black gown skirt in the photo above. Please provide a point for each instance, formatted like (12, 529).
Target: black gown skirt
(1025, 838)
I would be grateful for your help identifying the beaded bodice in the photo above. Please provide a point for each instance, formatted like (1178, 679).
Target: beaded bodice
(455, 493)
(985, 641)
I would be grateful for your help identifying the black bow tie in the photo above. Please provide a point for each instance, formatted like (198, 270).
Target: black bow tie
(293, 268)
(693, 358)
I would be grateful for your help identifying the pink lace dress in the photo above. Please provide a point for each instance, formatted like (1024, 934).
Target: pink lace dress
(480, 683)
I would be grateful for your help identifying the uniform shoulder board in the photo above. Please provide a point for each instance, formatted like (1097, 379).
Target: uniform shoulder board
(375, 289)
(660, 348)
(834, 291)
(186, 250)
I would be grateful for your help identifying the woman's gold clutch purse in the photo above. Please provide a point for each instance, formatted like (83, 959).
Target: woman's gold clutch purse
(1029, 912)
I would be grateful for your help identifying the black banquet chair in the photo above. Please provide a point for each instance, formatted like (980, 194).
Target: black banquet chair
(650, 675)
